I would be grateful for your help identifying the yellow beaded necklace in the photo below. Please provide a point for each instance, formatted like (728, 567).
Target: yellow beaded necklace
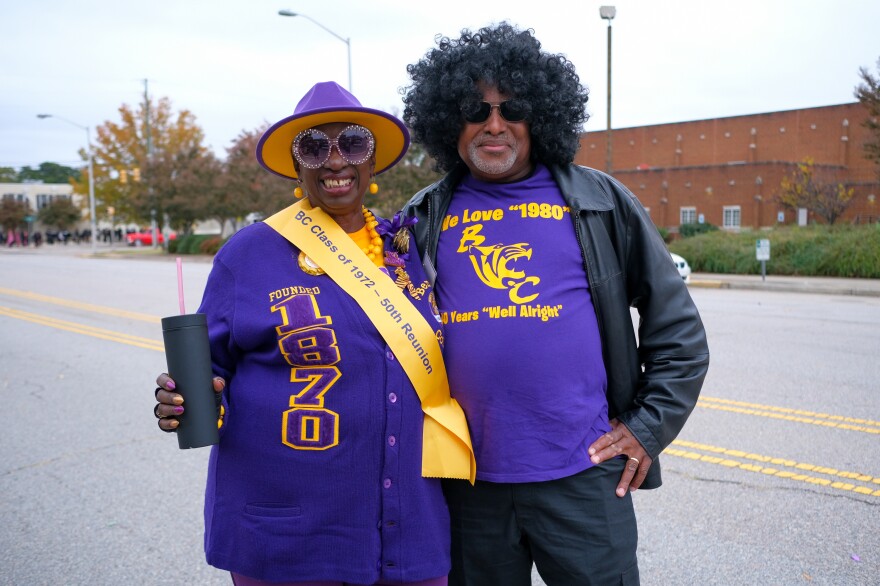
(371, 242)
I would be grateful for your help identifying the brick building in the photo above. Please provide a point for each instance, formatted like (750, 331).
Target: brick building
(727, 171)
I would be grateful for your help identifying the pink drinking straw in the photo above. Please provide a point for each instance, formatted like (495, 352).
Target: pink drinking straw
(180, 285)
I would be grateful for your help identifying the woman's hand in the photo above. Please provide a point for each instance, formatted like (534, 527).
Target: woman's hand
(170, 404)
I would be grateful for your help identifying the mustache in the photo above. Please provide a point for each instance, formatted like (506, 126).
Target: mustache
(494, 139)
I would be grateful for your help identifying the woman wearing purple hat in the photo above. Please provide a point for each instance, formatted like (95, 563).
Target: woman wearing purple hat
(336, 420)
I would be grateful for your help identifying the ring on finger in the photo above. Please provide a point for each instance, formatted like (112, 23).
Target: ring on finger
(636, 460)
(156, 411)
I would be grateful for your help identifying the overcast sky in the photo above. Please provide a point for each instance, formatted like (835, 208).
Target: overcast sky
(236, 64)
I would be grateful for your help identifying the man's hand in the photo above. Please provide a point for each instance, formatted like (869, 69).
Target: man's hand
(617, 442)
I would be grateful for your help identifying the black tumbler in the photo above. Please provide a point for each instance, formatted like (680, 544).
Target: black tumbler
(189, 364)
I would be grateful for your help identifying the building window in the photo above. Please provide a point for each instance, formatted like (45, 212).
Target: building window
(688, 216)
(731, 218)
(44, 199)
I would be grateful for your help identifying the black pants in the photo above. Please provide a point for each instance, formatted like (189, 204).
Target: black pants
(576, 530)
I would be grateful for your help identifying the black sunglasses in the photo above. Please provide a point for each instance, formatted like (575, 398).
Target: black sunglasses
(511, 110)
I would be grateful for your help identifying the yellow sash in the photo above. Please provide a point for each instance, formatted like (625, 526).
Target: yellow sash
(447, 450)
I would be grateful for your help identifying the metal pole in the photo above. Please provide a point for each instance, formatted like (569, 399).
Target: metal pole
(608, 132)
(344, 40)
(348, 43)
(608, 13)
(93, 221)
(154, 227)
(92, 213)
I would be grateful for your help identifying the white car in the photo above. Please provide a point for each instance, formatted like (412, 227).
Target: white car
(684, 269)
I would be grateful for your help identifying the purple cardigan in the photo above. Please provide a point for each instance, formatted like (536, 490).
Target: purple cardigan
(317, 475)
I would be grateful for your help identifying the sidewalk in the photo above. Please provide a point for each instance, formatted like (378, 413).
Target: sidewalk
(823, 285)
(117, 250)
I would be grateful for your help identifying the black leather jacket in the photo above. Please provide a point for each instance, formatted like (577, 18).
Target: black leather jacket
(653, 384)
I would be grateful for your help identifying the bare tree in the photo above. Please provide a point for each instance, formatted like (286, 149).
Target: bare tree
(397, 185)
(868, 93)
(803, 189)
(246, 187)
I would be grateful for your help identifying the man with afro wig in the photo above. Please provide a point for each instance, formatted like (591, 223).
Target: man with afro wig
(537, 263)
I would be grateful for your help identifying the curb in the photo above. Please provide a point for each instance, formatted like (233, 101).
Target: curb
(817, 288)
(706, 284)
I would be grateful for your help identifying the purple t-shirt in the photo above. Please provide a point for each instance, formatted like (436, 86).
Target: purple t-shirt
(522, 342)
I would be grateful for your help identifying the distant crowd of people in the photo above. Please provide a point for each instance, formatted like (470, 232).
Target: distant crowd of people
(24, 238)
(21, 238)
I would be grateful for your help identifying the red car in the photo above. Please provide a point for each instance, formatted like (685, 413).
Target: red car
(145, 238)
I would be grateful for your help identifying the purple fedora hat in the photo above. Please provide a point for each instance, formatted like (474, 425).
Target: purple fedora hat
(329, 102)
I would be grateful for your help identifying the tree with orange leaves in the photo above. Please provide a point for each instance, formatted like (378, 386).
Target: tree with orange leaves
(803, 189)
(153, 163)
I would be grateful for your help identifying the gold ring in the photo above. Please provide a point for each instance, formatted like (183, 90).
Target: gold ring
(156, 411)
(636, 460)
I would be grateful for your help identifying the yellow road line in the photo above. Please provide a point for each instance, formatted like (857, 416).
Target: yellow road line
(78, 305)
(798, 415)
(784, 413)
(787, 468)
(94, 332)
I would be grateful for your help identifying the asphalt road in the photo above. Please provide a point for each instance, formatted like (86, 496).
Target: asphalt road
(774, 479)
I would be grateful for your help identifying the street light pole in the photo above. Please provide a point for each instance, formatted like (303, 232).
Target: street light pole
(343, 39)
(608, 13)
(93, 224)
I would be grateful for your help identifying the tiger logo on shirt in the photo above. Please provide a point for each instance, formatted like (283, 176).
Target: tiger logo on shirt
(495, 264)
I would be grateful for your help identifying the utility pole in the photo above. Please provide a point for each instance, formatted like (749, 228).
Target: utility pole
(154, 226)
(608, 13)
(93, 218)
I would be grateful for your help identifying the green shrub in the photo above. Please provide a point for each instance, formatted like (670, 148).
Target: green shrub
(689, 230)
(819, 250)
(855, 253)
(210, 245)
(192, 244)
